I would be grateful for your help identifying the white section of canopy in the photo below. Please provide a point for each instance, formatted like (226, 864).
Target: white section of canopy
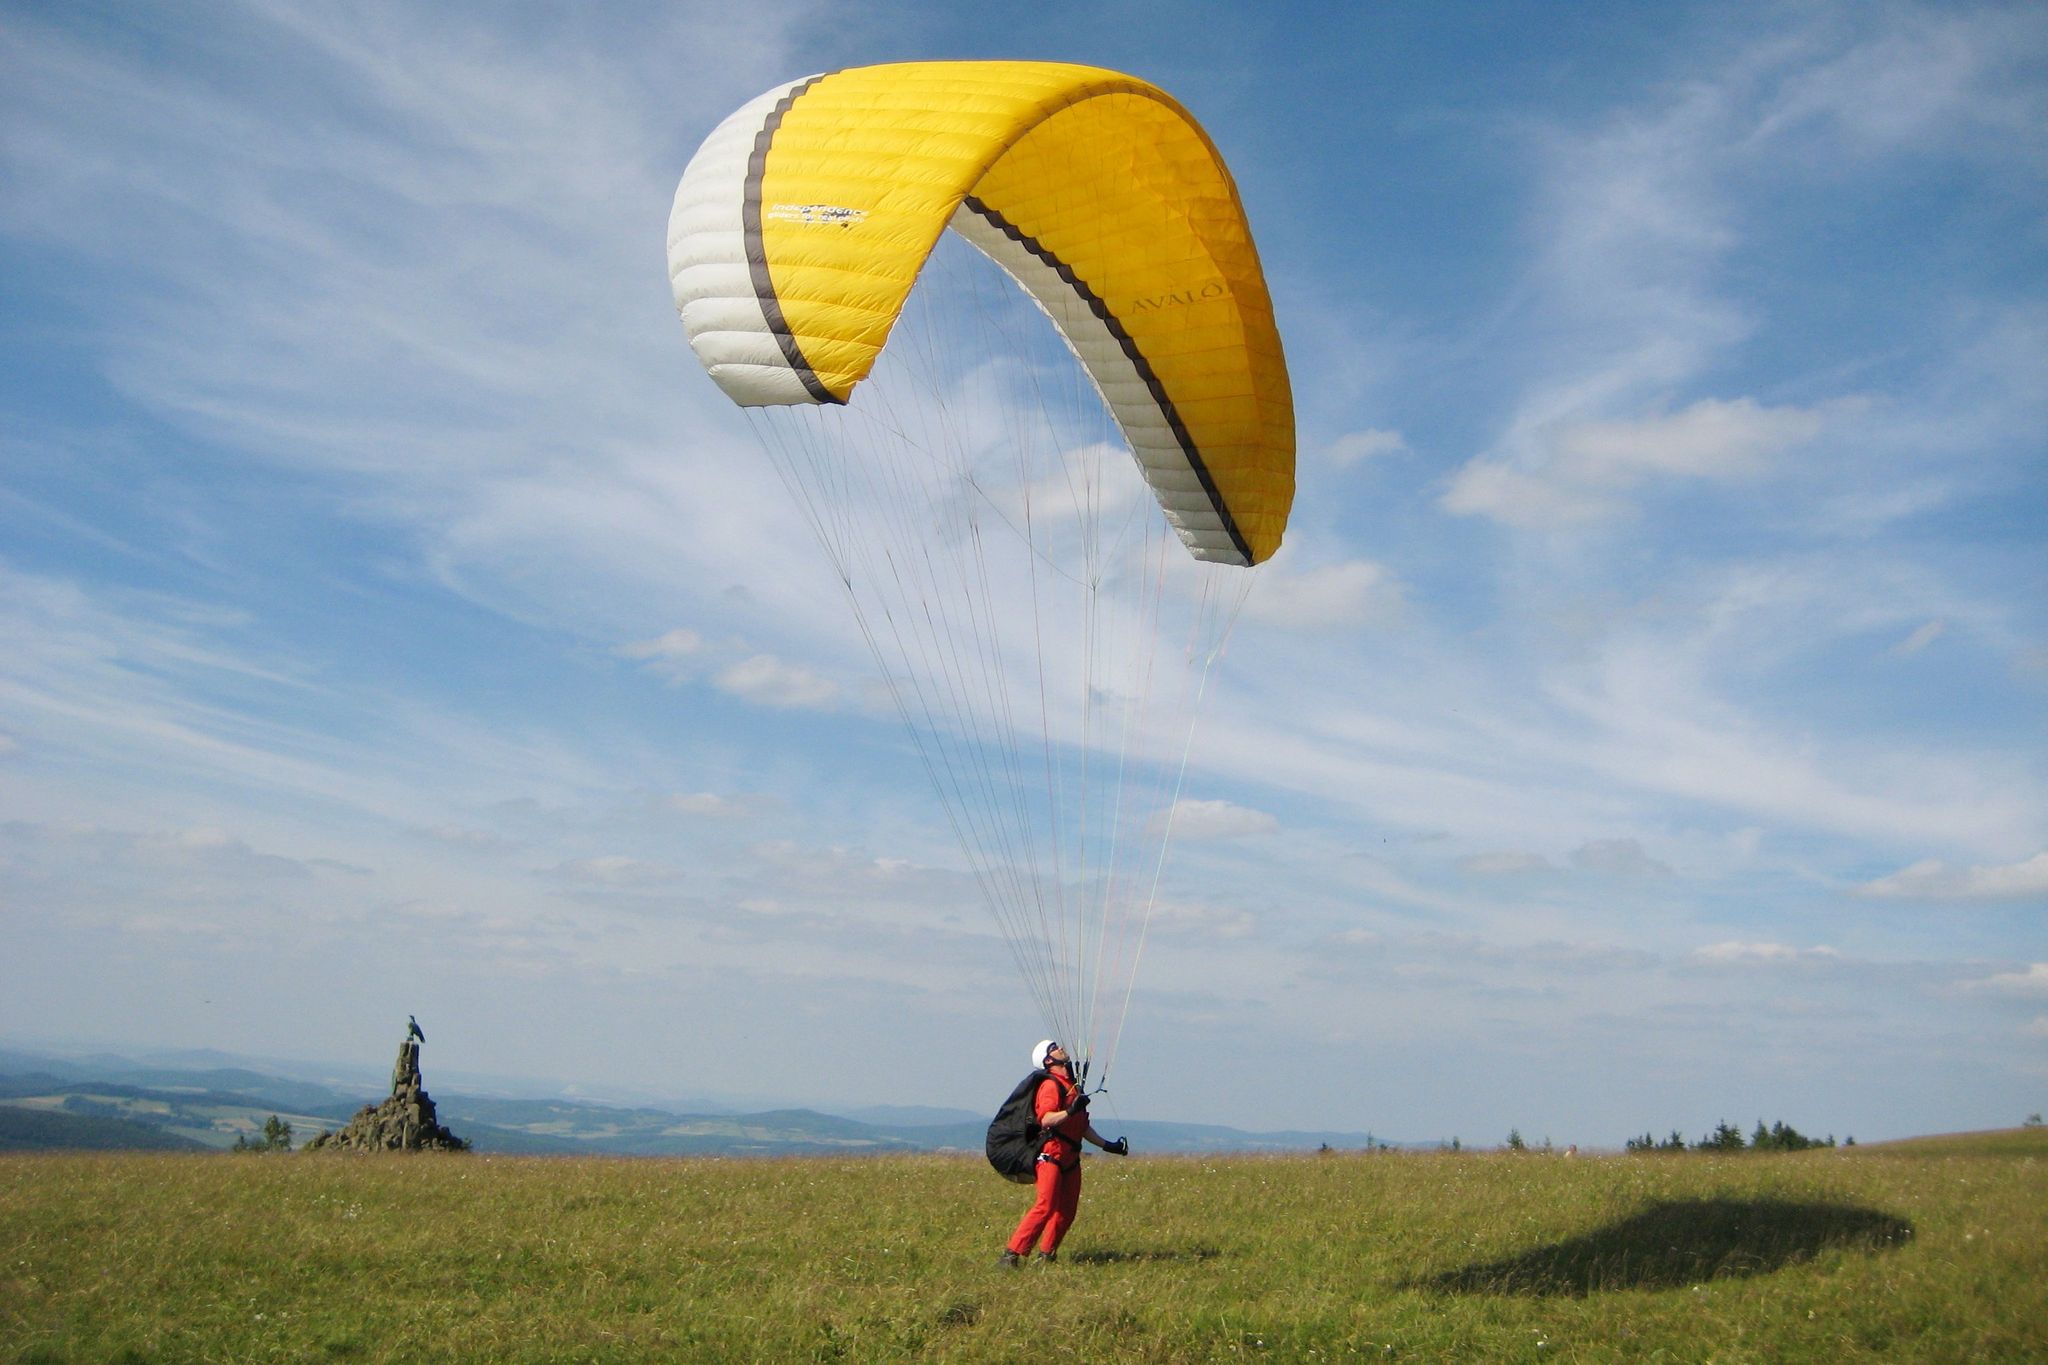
(709, 271)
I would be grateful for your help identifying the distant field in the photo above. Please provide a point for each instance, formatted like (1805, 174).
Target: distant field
(2017, 1142)
(1930, 1251)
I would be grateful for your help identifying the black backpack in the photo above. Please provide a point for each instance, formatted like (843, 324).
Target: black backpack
(1013, 1134)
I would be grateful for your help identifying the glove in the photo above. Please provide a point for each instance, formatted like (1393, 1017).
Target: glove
(1121, 1147)
(1080, 1104)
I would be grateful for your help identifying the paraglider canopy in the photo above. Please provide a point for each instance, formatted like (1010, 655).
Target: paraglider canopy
(802, 222)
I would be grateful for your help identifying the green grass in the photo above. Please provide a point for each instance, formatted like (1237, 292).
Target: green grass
(1871, 1253)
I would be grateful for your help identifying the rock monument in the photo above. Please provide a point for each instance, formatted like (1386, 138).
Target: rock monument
(405, 1122)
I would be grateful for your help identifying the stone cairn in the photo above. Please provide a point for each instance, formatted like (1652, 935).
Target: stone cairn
(403, 1123)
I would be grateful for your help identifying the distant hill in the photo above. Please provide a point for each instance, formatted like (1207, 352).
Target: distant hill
(198, 1118)
(279, 1093)
(34, 1083)
(26, 1130)
(338, 1083)
(910, 1115)
(565, 1126)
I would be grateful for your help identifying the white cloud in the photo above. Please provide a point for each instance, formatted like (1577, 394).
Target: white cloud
(463, 837)
(1515, 497)
(1709, 440)
(1686, 704)
(1204, 921)
(1357, 592)
(1617, 857)
(1920, 638)
(1092, 484)
(675, 644)
(617, 870)
(1359, 446)
(1740, 953)
(1628, 301)
(1865, 512)
(767, 681)
(1577, 467)
(1219, 820)
(2032, 981)
(707, 804)
(1932, 879)
(1928, 73)
(1505, 864)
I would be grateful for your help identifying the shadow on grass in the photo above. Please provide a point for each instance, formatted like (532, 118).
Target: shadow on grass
(1678, 1242)
(1109, 1257)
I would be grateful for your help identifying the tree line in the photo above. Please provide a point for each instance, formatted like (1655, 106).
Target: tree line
(1726, 1137)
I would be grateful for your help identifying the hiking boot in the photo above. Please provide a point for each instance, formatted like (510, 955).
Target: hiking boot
(1010, 1260)
(1046, 1258)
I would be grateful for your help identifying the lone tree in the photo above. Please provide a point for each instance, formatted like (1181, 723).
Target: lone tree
(277, 1137)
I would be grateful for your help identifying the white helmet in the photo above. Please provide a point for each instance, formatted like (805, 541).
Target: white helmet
(1038, 1054)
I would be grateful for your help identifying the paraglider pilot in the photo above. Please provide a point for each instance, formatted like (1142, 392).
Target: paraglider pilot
(1062, 1110)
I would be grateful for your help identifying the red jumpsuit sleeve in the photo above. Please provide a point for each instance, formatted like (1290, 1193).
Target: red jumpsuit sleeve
(1047, 1099)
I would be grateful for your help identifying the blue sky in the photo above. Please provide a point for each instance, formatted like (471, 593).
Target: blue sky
(1642, 725)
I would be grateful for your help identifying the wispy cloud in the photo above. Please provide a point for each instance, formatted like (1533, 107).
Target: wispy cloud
(2032, 981)
(1932, 879)
(1173, 918)
(618, 870)
(1929, 76)
(1921, 638)
(769, 681)
(1195, 819)
(1618, 857)
(463, 836)
(1735, 953)
(709, 805)
(1355, 593)
(1357, 447)
(669, 653)
(1631, 294)
(1578, 471)
(1506, 864)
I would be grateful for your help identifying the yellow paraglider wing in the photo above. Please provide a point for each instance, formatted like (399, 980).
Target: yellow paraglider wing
(803, 221)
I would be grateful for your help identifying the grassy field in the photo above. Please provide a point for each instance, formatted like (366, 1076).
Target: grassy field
(1930, 1251)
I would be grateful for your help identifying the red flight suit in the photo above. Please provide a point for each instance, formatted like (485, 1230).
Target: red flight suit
(1058, 1170)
